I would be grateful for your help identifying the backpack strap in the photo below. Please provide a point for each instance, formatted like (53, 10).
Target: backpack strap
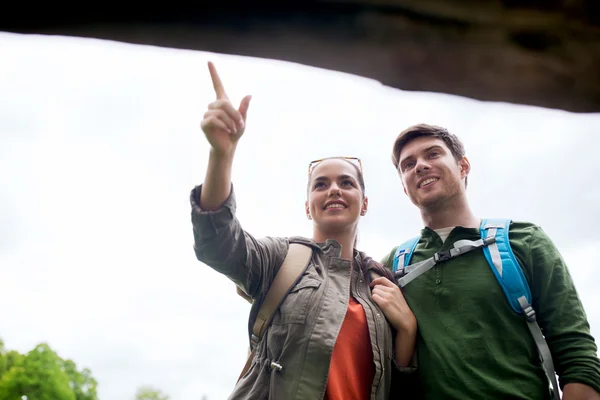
(243, 295)
(504, 263)
(404, 253)
(295, 263)
(510, 275)
(408, 273)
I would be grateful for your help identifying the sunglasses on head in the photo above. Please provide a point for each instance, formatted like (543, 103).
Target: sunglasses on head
(354, 160)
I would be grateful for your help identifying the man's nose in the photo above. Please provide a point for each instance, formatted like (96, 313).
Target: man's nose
(422, 165)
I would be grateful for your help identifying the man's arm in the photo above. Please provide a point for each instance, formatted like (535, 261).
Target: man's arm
(579, 391)
(562, 318)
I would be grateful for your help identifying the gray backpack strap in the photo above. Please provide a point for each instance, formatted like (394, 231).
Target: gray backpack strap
(461, 247)
(295, 263)
(541, 344)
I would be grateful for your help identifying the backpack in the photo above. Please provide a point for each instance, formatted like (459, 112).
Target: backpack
(496, 247)
(295, 263)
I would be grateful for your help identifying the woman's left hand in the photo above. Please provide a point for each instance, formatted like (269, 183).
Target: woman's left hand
(390, 299)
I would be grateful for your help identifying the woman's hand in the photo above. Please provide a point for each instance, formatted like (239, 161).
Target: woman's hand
(223, 125)
(390, 299)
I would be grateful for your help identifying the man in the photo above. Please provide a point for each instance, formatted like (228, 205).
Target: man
(471, 344)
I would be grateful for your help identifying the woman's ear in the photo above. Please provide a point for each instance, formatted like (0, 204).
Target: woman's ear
(365, 206)
(307, 210)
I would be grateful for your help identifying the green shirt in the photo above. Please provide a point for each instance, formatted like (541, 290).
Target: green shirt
(472, 345)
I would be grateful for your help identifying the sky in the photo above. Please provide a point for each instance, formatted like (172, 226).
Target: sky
(100, 147)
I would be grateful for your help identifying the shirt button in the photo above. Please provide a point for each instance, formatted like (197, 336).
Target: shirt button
(438, 281)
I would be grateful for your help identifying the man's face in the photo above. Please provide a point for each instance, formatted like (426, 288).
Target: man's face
(431, 176)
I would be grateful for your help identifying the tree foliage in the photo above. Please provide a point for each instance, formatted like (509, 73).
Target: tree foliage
(150, 393)
(42, 375)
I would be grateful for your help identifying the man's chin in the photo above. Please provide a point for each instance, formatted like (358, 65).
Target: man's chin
(432, 203)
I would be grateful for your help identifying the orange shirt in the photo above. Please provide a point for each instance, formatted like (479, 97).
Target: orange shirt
(351, 370)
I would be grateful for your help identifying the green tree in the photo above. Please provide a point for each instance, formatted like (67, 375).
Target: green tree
(82, 383)
(150, 393)
(3, 367)
(40, 377)
(43, 375)
(9, 359)
(14, 359)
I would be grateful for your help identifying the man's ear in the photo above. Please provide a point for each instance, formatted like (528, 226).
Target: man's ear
(464, 166)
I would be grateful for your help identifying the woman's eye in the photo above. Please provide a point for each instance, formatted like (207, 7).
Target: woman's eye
(318, 185)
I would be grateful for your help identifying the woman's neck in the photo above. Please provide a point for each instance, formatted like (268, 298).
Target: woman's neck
(345, 239)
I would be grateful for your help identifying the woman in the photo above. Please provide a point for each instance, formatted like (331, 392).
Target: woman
(329, 339)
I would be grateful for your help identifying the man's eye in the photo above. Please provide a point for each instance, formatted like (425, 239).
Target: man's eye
(347, 182)
(408, 165)
(319, 185)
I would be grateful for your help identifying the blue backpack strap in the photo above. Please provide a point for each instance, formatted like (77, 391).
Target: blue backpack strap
(509, 274)
(506, 268)
(404, 253)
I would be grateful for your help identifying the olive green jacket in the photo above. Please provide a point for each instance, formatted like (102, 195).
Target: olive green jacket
(292, 361)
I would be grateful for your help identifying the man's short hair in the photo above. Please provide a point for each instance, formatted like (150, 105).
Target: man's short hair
(412, 132)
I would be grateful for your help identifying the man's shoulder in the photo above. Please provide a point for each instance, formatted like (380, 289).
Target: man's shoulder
(519, 225)
(519, 230)
(522, 232)
(523, 226)
(388, 259)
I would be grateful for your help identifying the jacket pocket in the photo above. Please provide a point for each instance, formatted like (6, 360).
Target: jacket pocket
(254, 384)
(295, 306)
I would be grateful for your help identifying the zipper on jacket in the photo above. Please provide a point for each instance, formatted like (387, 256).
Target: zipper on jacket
(376, 318)
(274, 367)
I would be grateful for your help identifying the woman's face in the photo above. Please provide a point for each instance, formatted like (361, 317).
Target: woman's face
(335, 198)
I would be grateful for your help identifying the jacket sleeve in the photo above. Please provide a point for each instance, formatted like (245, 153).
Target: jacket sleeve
(222, 244)
(561, 315)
